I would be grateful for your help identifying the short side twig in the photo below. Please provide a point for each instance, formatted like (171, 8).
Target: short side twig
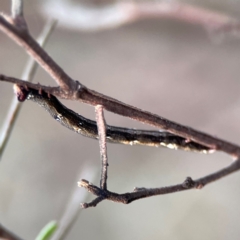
(101, 124)
(7, 235)
(140, 193)
(74, 90)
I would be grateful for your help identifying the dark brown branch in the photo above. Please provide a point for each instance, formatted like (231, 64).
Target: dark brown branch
(52, 90)
(7, 235)
(91, 97)
(140, 193)
(94, 98)
(101, 125)
(93, 203)
(75, 91)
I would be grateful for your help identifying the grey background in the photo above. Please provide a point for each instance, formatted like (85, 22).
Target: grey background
(173, 69)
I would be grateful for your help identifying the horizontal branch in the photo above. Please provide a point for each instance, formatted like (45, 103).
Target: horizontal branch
(140, 193)
(83, 94)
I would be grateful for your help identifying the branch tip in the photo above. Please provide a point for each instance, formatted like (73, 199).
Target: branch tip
(21, 92)
(83, 183)
(188, 183)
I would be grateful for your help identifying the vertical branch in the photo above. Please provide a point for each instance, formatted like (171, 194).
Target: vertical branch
(101, 124)
(28, 75)
(17, 8)
(17, 15)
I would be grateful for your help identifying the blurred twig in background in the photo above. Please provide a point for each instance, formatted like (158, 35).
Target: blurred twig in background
(28, 75)
(111, 15)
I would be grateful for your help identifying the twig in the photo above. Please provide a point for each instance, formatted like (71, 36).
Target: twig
(28, 75)
(7, 235)
(17, 15)
(101, 124)
(74, 90)
(17, 8)
(140, 193)
(94, 98)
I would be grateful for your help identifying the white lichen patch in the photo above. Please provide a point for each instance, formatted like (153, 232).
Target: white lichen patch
(169, 145)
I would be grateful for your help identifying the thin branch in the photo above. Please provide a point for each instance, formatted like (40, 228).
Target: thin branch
(52, 90)
(76, 91)
(94, 98)
(34, 49)
(140, 193)
(93, 203)
(7, 235)
(18, 19)
(101, 124)
(17, 8)
(28, 75)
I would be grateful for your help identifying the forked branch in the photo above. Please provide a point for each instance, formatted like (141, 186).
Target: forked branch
(70, 89)
(73, 90)
(139, 193)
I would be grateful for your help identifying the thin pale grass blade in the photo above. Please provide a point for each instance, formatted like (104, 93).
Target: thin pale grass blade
(27, 75)
(73, 208)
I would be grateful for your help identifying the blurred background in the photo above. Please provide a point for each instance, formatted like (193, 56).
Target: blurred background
(184, 72)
